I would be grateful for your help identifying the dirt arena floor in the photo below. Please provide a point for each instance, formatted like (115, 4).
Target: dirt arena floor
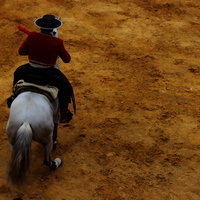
(135, 71)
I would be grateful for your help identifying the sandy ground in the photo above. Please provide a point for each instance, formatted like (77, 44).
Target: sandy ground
(135, 71)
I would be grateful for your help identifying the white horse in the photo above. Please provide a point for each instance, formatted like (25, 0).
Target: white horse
(32, 117)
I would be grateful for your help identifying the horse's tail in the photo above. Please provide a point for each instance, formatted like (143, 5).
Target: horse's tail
(18, 167)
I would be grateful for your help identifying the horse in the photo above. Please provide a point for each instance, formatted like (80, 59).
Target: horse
(33, 117)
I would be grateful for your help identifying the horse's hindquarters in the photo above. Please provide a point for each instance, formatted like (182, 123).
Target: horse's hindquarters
(31, 117)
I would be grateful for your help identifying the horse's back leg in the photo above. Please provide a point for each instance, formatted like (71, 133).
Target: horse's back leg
(47, 158)
(55, 134)
(11, 147)
(47, 149)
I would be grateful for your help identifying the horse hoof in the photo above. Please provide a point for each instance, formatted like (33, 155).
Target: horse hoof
(56, 163)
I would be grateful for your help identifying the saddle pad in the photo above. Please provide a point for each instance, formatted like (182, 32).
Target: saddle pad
(48, 88)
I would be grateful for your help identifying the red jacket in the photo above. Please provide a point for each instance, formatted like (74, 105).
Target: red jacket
(44, 49)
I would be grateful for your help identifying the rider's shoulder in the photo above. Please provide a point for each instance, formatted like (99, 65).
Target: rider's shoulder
(41, 35)
(33, 33)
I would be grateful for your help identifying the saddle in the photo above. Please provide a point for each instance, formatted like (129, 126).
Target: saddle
(51, 92)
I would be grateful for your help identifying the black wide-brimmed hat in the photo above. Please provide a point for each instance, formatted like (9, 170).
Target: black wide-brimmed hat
(48, 22)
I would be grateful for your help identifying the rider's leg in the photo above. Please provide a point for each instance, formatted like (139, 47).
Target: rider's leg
(19, 73)
(65, 94)
(65, 114)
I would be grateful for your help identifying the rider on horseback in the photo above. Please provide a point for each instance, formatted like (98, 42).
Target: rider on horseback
(43, 49)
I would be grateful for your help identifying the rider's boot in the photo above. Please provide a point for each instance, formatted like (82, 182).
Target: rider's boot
(65, 114)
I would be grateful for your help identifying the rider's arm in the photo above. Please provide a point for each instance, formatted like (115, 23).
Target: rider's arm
(63, 54)
(23, 49)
